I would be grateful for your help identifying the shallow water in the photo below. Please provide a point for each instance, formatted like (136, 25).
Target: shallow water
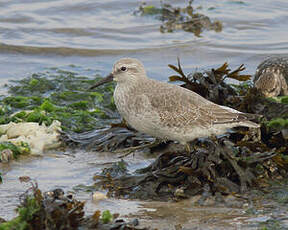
(91, 35)
(71, 171)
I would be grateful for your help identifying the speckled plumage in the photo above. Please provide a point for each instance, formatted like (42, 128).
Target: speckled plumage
(271, 77)
(167, 111)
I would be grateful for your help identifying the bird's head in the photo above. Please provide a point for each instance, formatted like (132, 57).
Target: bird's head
(125, 71)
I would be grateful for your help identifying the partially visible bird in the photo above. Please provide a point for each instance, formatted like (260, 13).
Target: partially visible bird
(271, 77)
(167, 111)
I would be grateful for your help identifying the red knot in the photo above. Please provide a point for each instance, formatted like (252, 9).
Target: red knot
(167, 111)
(271, 77)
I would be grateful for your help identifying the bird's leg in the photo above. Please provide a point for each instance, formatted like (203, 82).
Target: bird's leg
(122, 124)
(130, 150)
(189, 144)
(214, 138)
(257, 134)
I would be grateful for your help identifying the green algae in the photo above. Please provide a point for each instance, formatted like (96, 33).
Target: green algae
(284, 99)
(279, 99)
(150, 10)
(80, 105)
(22, 101)
(47, 106)
(20, 148)
(278, 123)
(59, 95)
(26, 214)
(106, 217)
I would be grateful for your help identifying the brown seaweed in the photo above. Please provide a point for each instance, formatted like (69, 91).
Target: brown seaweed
(221, 165)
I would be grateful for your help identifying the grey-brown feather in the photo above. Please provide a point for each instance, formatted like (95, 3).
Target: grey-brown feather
(168, 111)
(179, 107)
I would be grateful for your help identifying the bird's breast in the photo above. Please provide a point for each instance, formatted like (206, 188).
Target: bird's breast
(123, 97)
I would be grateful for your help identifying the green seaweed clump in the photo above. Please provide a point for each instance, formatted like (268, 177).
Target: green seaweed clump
(149, 10)
(284, 99)
(27, 210)
(59, 95)
(9, 151)
(280, 99)
(22, 101)
(40, 211)
(106, 217)
(278, 123)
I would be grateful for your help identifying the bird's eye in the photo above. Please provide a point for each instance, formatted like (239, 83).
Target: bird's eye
(123, 68)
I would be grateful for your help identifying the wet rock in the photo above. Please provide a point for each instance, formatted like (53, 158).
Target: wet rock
(38, 137)
(97, 196)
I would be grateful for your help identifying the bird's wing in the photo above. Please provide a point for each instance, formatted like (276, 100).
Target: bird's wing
(180, 107)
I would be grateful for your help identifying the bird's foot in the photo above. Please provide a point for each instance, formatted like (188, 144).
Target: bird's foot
(128, 151)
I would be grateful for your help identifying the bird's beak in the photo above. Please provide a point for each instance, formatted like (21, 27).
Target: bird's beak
(103, 81)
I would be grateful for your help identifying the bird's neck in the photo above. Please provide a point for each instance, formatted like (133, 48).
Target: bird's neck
(131, 84)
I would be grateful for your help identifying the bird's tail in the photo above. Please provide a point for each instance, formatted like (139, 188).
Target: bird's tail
(245, 120)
